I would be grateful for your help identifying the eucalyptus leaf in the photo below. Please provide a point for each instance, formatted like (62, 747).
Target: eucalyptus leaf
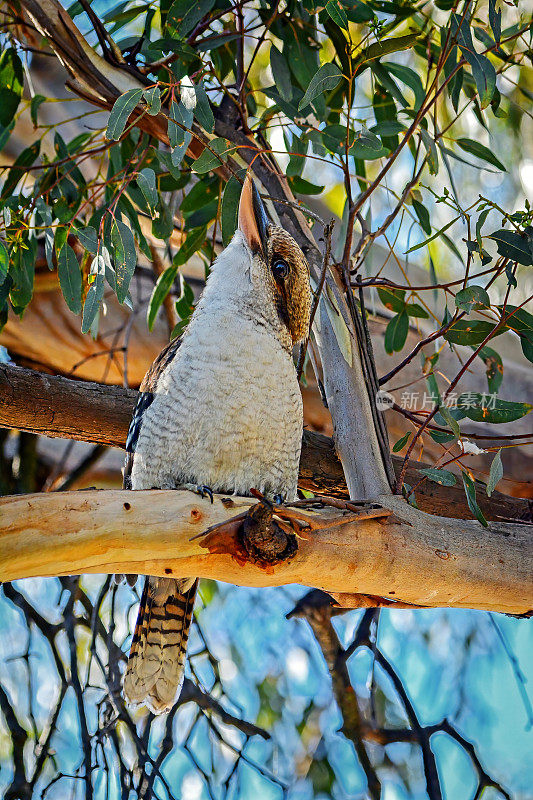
(470, 331)
(337, 13)
(442, 476)
(496, 472)
(472, 298)
(153, 100)
(230, 208)
(147, 184)
(213, 156)
(184, 15)
(513, 245)
(396, 333)
(483, 71)
(400, 444)
(69, 273)
(281, 73)
(160, 291)
(4, 262)
(480, 151)
(470, 492)
(120, 113)
(11, 85)
(202, 110)
(327, 78)
(88, 238)
(488, 408)
(124, 257)
(193, 241)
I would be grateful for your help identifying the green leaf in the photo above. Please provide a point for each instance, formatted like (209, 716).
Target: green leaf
(480, 151)
(124, 257)
(416, 310)
(327, 78)
(357, 11)
(179, 134)
(337, 13)
(36, 101)
(120, 113)
(400, 444)
(194, 239)
(88, 238)
(69, 274)
(230, 207)
(494, 364)
(22, 273)
(4, 262)
(527, 348)
(442, 476)
(470, 332)
(393, 299)
(431, 238)
(212, 157)
(11, 85)
(410, 78)
(204, 191)
(450, 421)
(94, 295)
(387, 46)
(423, 216)
(387, 127)
(441, 437)
(153, 100)
(521, 321)
(202, 110)
(488, 408)
(514, 246)
(301, 58)
(472, 298)
(162, 224)
(470, 492)
(479, 225)
(301, 186)
(495, 19)
(281, 73)
(396, 333)
(184, 15)
(496, 473)
(19, 168)
(161, 289)
(147, 184)
(432, 152)
(483, 72)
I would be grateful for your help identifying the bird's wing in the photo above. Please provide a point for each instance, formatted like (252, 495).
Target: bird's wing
(146, 396)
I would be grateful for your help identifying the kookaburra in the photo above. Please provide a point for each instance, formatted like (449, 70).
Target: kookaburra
(220, 409)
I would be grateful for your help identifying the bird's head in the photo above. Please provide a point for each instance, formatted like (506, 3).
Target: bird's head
(278, 261)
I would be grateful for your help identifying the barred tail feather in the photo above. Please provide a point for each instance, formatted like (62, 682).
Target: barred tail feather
(156, 664)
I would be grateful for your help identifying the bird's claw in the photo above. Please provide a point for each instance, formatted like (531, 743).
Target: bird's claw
(205, 491)
(201, 489)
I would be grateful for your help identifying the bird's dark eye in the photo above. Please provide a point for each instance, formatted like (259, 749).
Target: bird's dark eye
(280, 269)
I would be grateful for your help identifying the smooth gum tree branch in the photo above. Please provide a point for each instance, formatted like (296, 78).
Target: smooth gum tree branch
(408, 556)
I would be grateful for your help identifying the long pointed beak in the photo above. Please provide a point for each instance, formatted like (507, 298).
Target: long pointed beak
(253, 219)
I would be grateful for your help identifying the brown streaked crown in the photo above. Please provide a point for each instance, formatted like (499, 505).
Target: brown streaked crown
(291, 288)
(286, 269)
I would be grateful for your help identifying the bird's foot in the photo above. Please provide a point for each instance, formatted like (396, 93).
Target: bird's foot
(265, 540)
(201, 489)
